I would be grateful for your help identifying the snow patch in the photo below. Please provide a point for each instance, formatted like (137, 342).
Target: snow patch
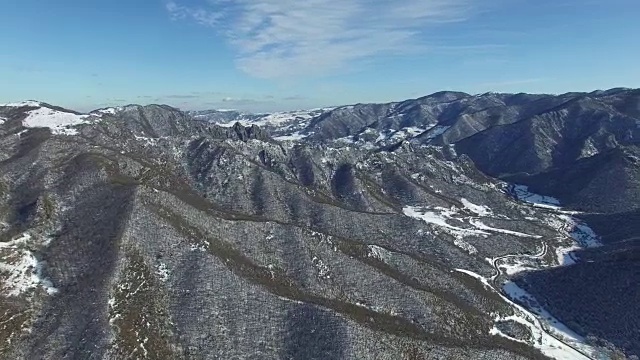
(163, 272)
(478, 224)
(411, 131)
(296, 136)
(29, 103)
(106, 111)
(298, 119)
(515, 268)
(198, 247)
(381, 137)
(15, 242)
(440, 220)
(148, 140)
(465, 246)
(474, 275)
(19, 273)
(548, 335)
(522, 193)
(564, 255)
(58, 121)
(379, 253)
(476, 209)
(436, 131)
(323, 269)
(20, 269)
(346, 140)
(516, 263)
(581, 233)
(414, 131)
(584, 235)
(544, 339)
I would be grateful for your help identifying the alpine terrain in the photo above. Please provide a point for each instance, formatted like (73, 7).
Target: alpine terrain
(452, 226)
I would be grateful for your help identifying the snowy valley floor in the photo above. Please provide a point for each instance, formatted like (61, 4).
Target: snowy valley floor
(549, 335)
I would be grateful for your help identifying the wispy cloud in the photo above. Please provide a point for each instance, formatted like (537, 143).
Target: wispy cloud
(286, 38)
(181, 96)
(294, 98)
(200, 15)
(242, 101)
(507, 83)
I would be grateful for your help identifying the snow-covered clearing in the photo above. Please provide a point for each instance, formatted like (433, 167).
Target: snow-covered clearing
(555, 338)
(20, 270)
(512, 268)
(58, 121)
(439, 220)
(476, 209)
(522, 193)
(478, 224)
(583, 236)
(296, 136)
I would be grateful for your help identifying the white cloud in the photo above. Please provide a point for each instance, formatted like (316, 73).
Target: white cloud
(286, 38)
(201, 16)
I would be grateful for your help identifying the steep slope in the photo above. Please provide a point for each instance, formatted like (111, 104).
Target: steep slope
(581, 148)
(520, 138)
(143, 233)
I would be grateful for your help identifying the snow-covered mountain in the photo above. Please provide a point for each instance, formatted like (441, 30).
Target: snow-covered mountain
(281, 125)
(396, 231)
(41, 115)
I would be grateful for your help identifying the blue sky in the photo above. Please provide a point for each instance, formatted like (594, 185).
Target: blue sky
(267, 55)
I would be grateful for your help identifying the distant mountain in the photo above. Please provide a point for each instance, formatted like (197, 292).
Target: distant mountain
(517, 137)
(282, 125)
(582, 148)
(222, 117)
(453, 226)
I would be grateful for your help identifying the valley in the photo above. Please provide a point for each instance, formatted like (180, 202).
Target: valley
(363, 231)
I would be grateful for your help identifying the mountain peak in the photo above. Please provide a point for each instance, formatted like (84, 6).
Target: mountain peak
(336, 216)
(447, 95)
(26, 103)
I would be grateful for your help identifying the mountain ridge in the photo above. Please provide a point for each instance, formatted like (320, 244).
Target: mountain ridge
(384, 243)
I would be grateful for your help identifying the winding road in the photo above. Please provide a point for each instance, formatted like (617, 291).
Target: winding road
(536, 322)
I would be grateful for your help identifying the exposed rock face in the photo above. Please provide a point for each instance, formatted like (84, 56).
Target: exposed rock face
(140, 232)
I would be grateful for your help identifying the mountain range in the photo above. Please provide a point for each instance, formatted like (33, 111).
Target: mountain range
(452, 226)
